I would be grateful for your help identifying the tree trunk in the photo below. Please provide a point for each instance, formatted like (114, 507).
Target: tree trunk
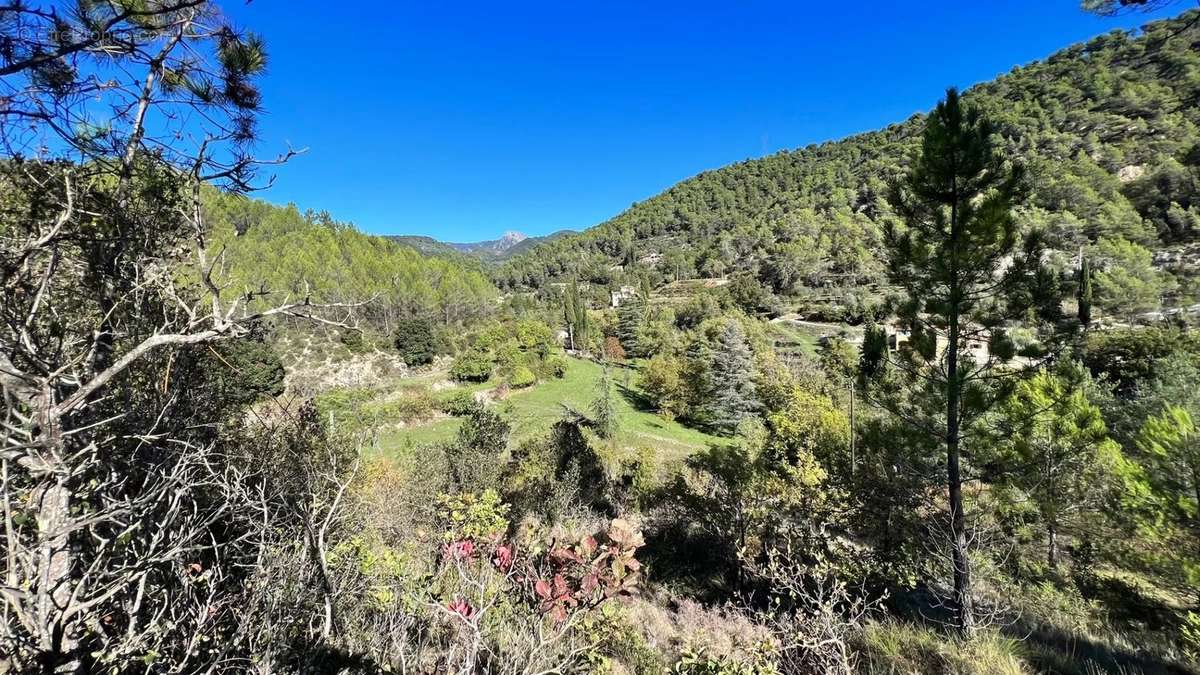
(59, 641)
(51, 589)
(1052, 546)
(963, 602)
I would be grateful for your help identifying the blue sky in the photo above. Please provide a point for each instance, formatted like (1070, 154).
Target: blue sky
(464, 120)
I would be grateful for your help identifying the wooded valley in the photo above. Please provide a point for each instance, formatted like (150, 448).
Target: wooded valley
(920, 400)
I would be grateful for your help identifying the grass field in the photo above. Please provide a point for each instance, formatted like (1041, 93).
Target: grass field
(532, 412)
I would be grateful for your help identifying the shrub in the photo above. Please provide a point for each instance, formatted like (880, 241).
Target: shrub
(662, 384)
(246, 370)
(557, 366)
(460, 403)
(410, 408)
(484, 429)
(522, 377)
(474, 366)
(471, 516)
(755, 659)
(353, 340)
(535, 336)
(414, 339)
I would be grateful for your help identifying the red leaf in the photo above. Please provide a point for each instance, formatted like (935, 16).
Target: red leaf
(590, 582)
(560, 586)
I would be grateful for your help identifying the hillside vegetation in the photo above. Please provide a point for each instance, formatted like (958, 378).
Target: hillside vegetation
(241, 438)
(1108, 131)
(311, 255)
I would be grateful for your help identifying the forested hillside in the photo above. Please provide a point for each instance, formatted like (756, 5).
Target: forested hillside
(1107, 131)
(311, 254)
(237, 437)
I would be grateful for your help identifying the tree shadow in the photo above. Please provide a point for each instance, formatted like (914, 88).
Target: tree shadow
(639, 401)
(1048, 648)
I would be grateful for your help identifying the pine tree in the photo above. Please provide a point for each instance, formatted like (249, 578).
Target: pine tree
(1084, 293)
(951, 257)
(731, 395)
(630, 318)
(1063, 460)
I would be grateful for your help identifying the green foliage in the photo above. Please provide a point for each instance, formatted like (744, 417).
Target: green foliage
(727, 389)
(1084, 295)
(811, 426)
(473, 366)
(415, 341)
(460, 403)
(617, 639)
(522, 377)
(242, 371)
(472, 516)
(535, 337)
(1126, 356)
(604, 413)
(1062, 458)
(557, 366)
(576, 316)
(486, 430)
(1126, 280)
(760, 660)
(660, 380)
(310, 255)
(631, 316)
(1099, 124)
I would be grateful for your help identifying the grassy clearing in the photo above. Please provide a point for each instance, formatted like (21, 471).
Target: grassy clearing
(789, 338)
(532, 411)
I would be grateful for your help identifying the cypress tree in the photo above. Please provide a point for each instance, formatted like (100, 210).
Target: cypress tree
(575, 316)
(1085, 292)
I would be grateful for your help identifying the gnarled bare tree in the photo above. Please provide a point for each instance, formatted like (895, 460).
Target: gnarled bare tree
(122, 528)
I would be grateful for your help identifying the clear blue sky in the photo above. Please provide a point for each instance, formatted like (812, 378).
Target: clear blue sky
(463, 120)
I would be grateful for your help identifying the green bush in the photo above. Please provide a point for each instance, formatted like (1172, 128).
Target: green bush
(557, 366)
(474, 366)
(414, 339)
(522, 377)
(460, 403)
(353, 340)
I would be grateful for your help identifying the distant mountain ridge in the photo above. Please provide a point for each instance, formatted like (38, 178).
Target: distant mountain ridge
(509, 245)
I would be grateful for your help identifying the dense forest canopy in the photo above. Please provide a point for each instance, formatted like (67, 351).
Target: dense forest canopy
(1107, 130)
(311, 255)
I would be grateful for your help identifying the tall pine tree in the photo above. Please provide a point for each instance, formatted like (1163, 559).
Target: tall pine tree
(960, 262)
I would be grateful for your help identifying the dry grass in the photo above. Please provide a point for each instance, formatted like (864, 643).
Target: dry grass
(893, 647)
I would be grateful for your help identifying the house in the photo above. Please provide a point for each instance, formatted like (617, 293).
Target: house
(622, 294)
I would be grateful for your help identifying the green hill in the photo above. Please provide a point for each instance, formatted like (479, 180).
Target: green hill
(1107, 129)
(290, 252)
